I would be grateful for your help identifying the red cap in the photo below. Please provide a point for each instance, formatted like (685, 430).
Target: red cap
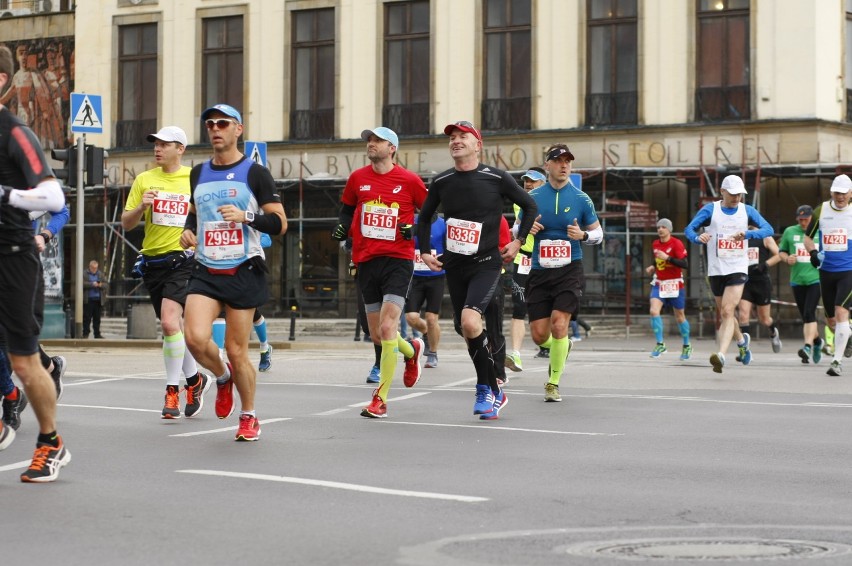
(464, 126)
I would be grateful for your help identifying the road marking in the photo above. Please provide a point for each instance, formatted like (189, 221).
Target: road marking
(707, 400)
(457, 383)
(486, 427)
(227, 428)
(339, 485)
(108, 408)
(360, 405)
(15, 466)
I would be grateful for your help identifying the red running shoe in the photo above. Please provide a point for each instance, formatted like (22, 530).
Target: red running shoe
(377, 409)
(249, 429)
(412, 365)
(225, 396)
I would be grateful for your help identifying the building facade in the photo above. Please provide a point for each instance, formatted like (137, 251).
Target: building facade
(658, 100)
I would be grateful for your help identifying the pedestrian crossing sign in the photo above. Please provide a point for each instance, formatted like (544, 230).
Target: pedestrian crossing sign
(256, 151)
(86, 113)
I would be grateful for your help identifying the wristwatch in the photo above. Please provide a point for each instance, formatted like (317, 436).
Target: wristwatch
(249, 217)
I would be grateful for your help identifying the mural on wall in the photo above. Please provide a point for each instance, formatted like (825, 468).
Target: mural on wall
(51, 261)
(40, 90)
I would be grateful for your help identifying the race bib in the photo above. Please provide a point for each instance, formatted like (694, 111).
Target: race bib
(525, 266)
(418, 261)
(834, 240)
(753, 255)
(379, 222)
(554, 253)
(223, 240)
(463, 236)
(669, 288)
(802, 255)
(170, 209)
(727, 247)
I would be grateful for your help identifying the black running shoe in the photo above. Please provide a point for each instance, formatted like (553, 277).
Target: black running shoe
(47, 461)
(195, 395)
(59, 365)
(12, 410)
(171, 409)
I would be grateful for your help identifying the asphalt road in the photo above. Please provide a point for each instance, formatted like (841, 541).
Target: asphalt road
(648, 461)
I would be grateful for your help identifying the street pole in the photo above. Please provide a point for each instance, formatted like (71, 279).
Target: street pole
(81, 221)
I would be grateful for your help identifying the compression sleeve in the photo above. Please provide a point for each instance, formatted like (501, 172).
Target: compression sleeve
(47, 195)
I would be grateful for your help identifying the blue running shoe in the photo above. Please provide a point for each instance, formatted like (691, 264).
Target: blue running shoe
(659, 350)
(374, 376)
(745, 353)
(500, 401)
(265, 359)
(816, 353)
(484, 400)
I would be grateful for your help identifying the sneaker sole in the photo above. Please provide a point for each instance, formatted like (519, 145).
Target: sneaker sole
(61, 387)
(804, 355)
(60, 463)
(10, 437)
(833, 373)
(776, 348)
(170, 417)
(241, 438)
(510, 363)
(200, 400)
(418, 354)
(369, 415)
(716, 362)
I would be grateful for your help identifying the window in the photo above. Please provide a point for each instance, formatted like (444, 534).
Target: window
(222, 60)
(137, 84)
(722, 72)
(506, 103)
(848, 78)
(611, 92)
(407, 64)
(312, 115)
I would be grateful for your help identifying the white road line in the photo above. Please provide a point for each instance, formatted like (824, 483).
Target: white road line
(108, 408)
(361, 404)
(457, 383)
(707, 400)
(227, 428)
(487, 427)
(15, 466)
(339, 485)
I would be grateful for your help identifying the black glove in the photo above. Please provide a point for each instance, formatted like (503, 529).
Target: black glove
(815, 258)
(761, 267)
(339, 232)
(5, 193)
(407, 231)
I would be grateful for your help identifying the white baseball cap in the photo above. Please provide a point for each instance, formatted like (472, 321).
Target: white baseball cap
(734, 185)
(169, 134)
(841, 184)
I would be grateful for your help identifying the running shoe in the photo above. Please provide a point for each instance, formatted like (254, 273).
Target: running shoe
(171, 408)
(249, 429)
(484, 400)
(374, 376)
(847, 351)
(500, 401)
(47, 461)
(835, 369)
(225, 396)
(377, 409)
(543, 352)
(513, 361)
(745, 353)
(12, 409)
(717, 360)
(7, 435)
(659, 350)
(551, 393)
(776, 342)
(59, 365)
(431, 360)
(686, 352)
(195, 395)
(265, 359)
(805, 354)
(816, 353)
(411, 374)
(577, 338)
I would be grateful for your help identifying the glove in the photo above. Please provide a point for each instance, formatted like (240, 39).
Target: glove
(5, 193)
(407, 231)
(816, 258)
(761, 267)
(339, 232)
(353, 269)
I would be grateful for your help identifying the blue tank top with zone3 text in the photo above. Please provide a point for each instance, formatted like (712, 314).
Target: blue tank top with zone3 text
(223, 245)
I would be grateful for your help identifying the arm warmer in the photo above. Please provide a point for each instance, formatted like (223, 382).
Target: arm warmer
(267, 223)
(47, 195)
(347, 211)
(679, 262)
(191, 223)
(595, 236)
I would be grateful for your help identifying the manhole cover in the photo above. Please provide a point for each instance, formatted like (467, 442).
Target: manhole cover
(705, 549)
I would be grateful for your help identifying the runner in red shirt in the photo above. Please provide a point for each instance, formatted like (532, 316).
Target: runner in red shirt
(667, 288)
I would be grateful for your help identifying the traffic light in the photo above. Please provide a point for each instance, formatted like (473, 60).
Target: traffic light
(67, 173)
(94, 165)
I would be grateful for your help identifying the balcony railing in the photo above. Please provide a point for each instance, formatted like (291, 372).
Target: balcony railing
(609, 109)
(312, 124)
(133, 133)
(714, 104)
(406, 118)
(507, 114)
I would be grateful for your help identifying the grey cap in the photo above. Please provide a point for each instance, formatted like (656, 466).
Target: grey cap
(665, 223)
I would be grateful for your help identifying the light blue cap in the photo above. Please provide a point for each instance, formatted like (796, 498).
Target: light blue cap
(533, 175)
(383, 133)
(224, 109)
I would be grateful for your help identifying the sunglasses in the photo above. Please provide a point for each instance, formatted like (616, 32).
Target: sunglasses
(221, 123)
(465, 123)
